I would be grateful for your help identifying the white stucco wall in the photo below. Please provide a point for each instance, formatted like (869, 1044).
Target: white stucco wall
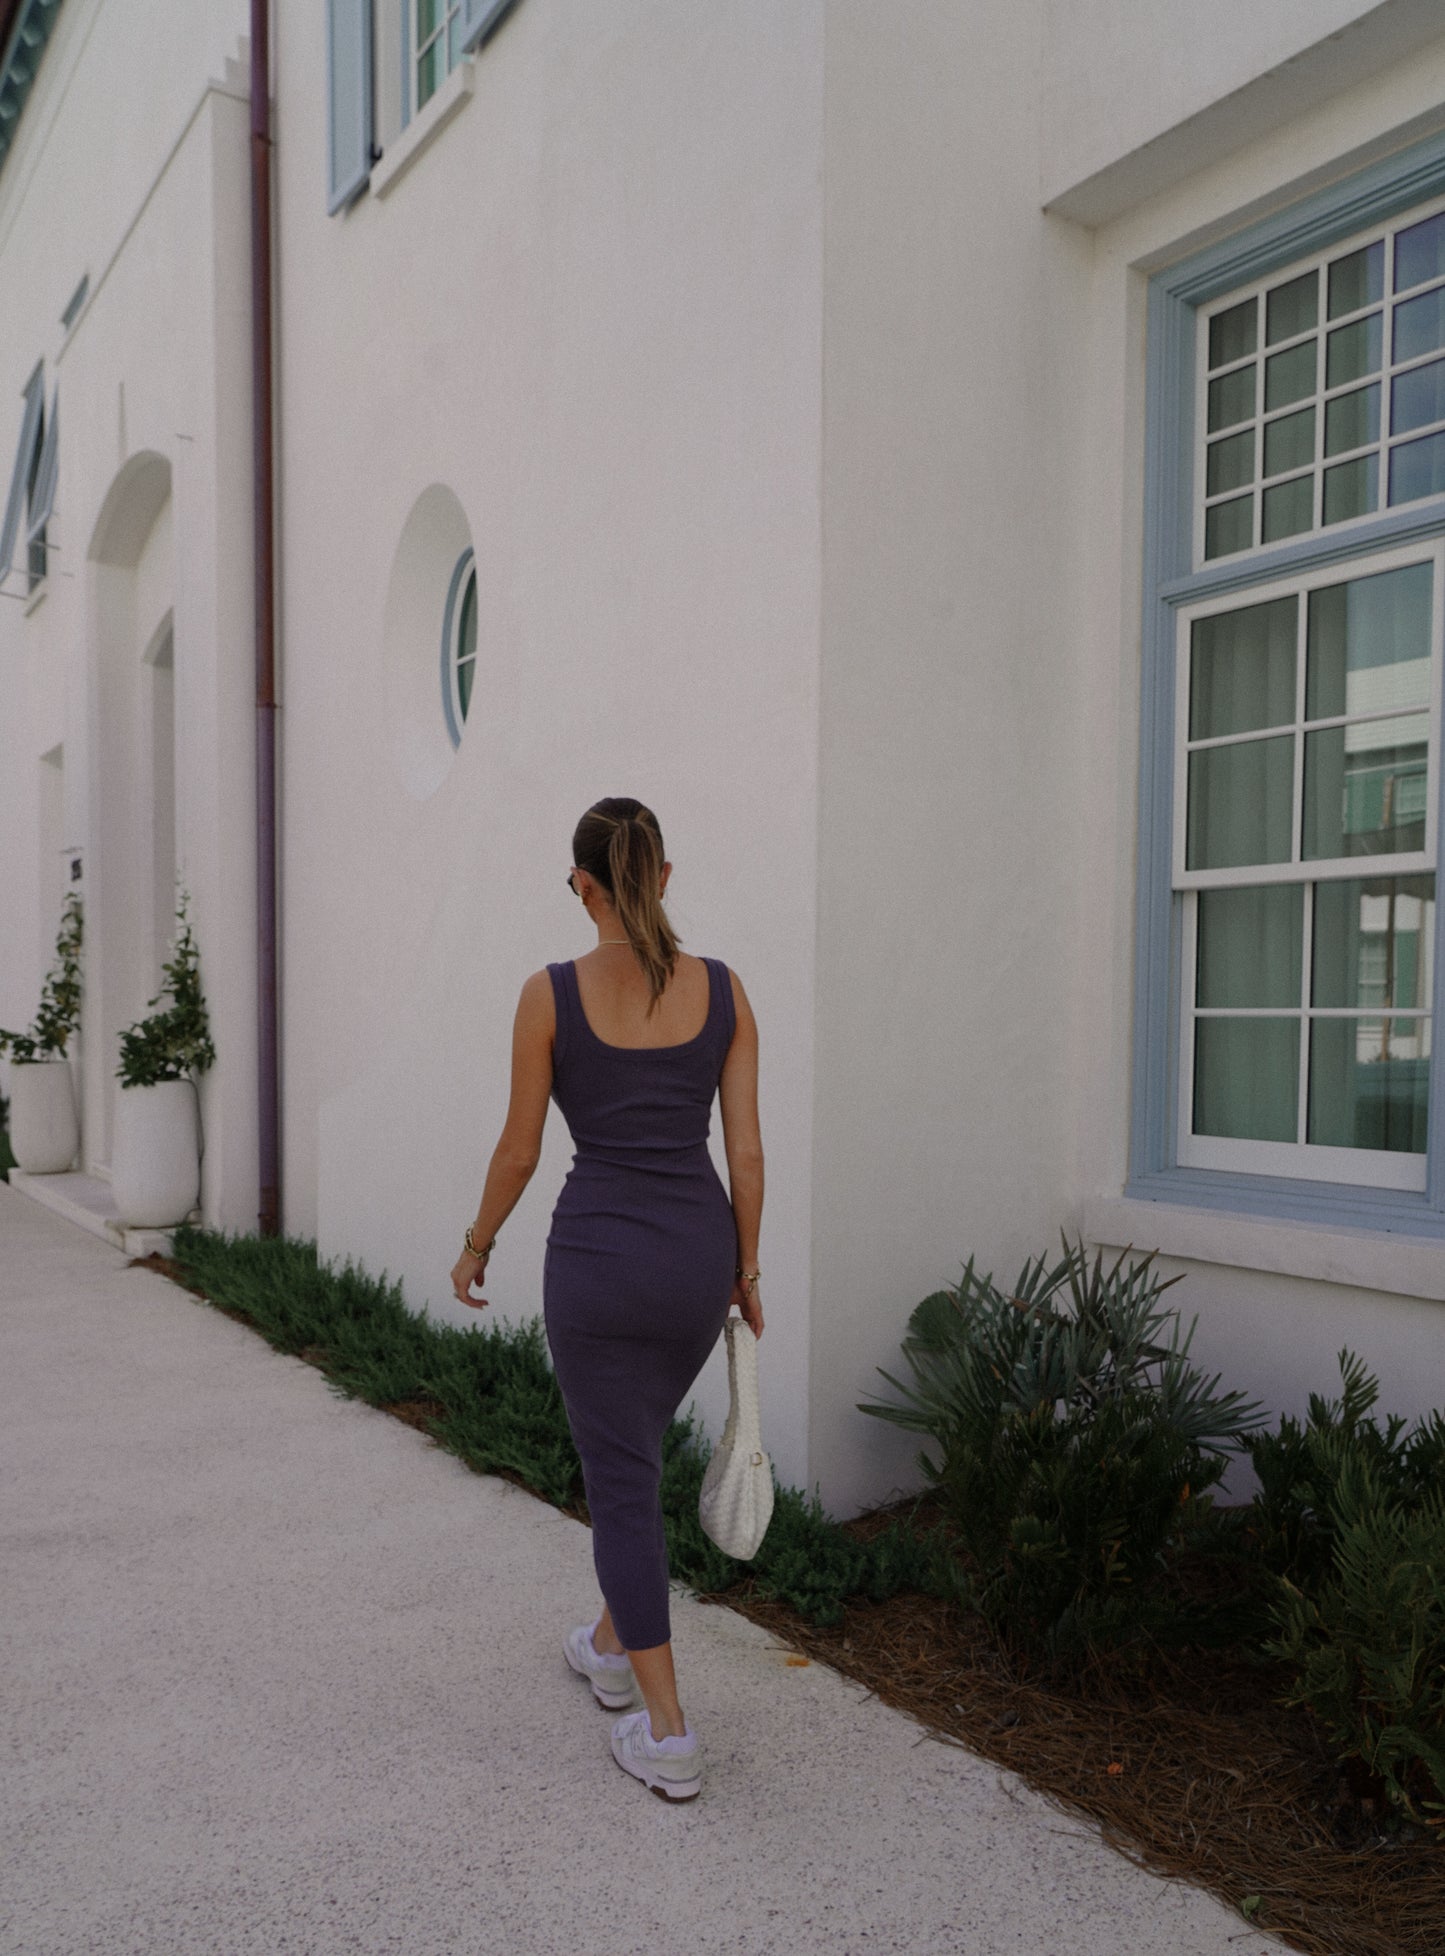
(151, 521)
(801, 448)
(951, 675)
(591, 310)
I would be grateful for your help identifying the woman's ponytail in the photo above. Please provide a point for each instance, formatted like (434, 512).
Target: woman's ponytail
(619, 842)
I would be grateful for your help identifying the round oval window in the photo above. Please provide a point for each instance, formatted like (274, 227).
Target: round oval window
(459, 645)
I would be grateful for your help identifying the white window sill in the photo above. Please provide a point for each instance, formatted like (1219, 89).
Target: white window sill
(1365, 1259)
(402, 151)
(36, 597)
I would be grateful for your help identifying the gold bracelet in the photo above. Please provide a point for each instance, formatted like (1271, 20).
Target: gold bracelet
(472, 1246)
(748, 1278)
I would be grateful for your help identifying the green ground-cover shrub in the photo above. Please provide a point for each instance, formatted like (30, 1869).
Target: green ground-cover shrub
(1076, 1448)
(1351, 1517)
(1299, 1465)
(1367, 1641)
(499, 1408)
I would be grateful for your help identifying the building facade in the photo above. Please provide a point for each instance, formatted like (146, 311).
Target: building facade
(977, 472)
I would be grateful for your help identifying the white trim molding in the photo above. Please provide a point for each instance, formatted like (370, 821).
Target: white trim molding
(1377, 1260)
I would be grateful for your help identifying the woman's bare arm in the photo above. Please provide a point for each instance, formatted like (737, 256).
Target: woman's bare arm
(519, 1149)
(743, 1143)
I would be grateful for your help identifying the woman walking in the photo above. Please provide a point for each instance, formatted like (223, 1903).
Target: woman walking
(647, 1252)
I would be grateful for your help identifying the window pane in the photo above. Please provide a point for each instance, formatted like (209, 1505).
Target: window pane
(1351, 420)
(1292, 308)
(1369, 644)
(1352, 488)
(1419, 325)
(1418, 397)
(1288, 508)
(1369, 1083)
(1419, 253)
(1289, 443)
(429, 72)
(1229, 527)
(1231, 398)
(1246, 1078)
(1250, 945)
(1242, 669)
(426, 19)
(1231, 462)
(466, 668)
(467, 629)
(1357, 280)
(1353, 351)
(1417, 468)
(1240, 799)
(1363, 788)
(1291, 376)
(1232, 334)
(1372, 942)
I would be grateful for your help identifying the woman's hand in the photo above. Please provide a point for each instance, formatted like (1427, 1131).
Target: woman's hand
(750, 1304)
(469, 1270)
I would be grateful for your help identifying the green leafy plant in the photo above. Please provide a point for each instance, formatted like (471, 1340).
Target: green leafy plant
(59, 1013)
(1368, 1641)
(1075, 1445)
(1300, 1464)
(176, 1041)
(1350, 1517)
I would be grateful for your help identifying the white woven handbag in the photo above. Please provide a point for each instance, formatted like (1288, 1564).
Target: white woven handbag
(736, 1501)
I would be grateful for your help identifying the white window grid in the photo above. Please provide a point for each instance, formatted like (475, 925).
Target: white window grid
(434, 49)
(1311, 1161)
(1385, 376)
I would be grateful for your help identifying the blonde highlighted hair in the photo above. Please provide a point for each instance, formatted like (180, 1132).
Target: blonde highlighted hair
(619, 842)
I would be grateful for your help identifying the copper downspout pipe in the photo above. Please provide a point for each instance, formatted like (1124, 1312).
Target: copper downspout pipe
(269, 1095)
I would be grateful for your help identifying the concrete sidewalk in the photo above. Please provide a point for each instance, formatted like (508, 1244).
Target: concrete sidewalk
(281, 1676)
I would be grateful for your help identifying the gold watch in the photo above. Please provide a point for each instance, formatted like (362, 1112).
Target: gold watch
(479, 1250)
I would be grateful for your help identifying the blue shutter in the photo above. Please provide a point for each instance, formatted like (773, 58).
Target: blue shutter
(348, 105)
(20, 474)
(42, 497)
(479, 17)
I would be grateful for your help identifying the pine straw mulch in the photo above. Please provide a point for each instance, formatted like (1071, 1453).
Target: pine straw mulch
(1190, 1767)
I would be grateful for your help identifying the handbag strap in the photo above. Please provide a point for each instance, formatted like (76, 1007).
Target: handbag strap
(744, 1428)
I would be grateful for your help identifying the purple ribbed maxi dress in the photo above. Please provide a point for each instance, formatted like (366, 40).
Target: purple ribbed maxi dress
(638, 1276)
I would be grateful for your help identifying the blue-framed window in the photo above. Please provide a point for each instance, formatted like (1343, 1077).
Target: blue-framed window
(435, 34)
(1289, 945)
(459, 645)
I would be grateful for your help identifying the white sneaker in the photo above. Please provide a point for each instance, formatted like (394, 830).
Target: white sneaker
(610, 1673)
(671, 1767)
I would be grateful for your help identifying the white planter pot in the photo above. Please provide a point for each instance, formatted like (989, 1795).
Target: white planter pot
(44, 1131)
(155, 1162)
